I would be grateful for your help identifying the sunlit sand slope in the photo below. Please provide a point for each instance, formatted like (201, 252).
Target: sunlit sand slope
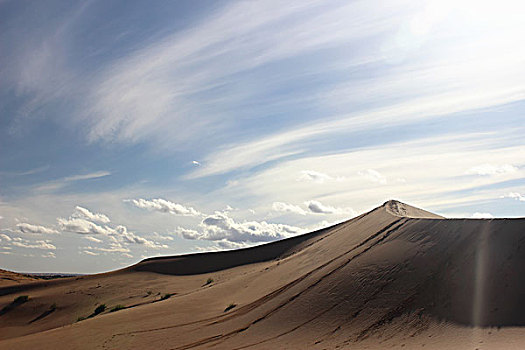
(395, 277)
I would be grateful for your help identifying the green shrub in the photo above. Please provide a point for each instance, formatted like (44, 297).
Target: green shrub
(209, 281)
(99, 309)
(117, 308)
(165, 296)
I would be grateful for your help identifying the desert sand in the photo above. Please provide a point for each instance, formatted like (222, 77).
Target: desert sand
(396, 277)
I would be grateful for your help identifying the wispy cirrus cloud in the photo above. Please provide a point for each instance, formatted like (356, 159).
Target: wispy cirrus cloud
(491, 169)
(515, 195)
(58, 184)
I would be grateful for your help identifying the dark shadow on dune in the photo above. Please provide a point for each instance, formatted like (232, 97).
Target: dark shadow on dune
(482, 280)
(18, 301)
(200, 263)
(46, 313)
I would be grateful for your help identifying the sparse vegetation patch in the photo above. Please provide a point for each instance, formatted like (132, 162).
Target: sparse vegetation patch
(117, 308)
(229, 307)
(100, 309)
(21, 299)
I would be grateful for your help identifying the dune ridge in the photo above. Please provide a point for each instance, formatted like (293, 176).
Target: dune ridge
(394, 277)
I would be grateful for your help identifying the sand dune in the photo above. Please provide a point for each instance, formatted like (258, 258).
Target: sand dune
(9, 278)
(395, 277)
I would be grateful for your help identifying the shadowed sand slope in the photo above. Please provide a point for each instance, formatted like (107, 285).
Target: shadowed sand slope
(395, 277)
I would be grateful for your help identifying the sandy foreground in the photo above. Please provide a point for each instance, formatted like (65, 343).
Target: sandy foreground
(396, 277)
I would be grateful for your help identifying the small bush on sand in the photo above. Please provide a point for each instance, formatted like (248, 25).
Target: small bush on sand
(165, 296)
(209, 281)
(231, 306)
(100, 309)
(117, 308)
(21, 299)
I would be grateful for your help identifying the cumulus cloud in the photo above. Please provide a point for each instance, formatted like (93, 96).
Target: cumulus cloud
(195, 163)
(129, 237)
(80, 223)
(82, 226)
(164, 206)
(478, 215)
(315, 176)
(290, 208)
(86, 214)
(24, 243)
(490, 169)
(49, 255)
(220, 227)
(515, 195)
(5, 237)
(373, 175)
(29, 228)
(319, 208)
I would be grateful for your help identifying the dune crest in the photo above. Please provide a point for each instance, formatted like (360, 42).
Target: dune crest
(401, 209)
(395, 277)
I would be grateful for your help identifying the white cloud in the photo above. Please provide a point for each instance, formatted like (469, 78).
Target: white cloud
(164, 206)
(515, 195)
(86, 214)
(5, 237)
(88, 252)
(78, 223)
(219, 227)
(319, 208)
(315, 176)
(195, 163)
(490, 169)
(114, 247)
(49, 255)
(478, 215)
(37, 229)
(129, 237)
(373, 175)
(23, 243)
(290, 208)
(62, 182)
(82, 226)
(93, 239)
(88, 176)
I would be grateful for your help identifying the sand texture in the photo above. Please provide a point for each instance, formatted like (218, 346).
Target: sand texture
(396, 277)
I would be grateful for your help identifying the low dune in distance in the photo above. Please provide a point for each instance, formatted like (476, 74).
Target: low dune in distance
(396, 277)
(9, 278)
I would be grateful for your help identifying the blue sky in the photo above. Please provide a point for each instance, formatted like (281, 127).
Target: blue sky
(132, 129)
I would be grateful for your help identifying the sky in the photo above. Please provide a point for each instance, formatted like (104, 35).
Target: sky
(131, 129)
